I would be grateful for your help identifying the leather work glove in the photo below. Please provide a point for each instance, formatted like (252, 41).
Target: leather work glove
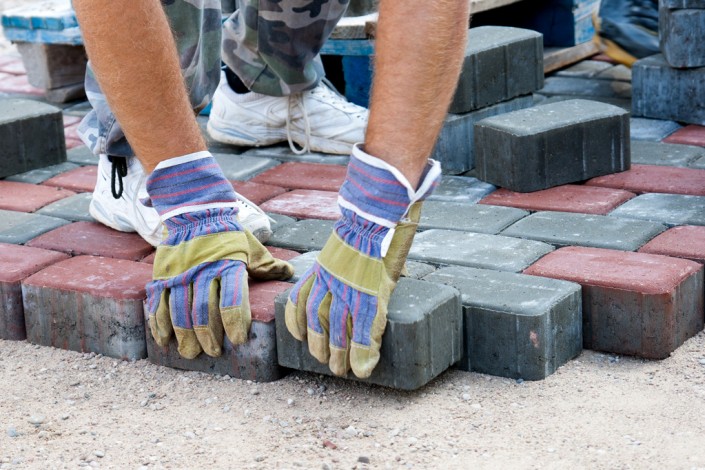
(199, 289)
(340, 303)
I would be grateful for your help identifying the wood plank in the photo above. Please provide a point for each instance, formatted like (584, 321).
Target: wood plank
(555, 58)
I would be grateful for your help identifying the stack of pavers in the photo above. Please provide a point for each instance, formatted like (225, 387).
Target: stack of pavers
(514, 286)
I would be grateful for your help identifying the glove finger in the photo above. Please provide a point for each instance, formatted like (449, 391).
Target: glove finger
(205, 313)
(235, 303)
(261, 265)
(159, 318)
(369, 320)
(295, 312)
(317, 311)
(340, 329)
(180, 308)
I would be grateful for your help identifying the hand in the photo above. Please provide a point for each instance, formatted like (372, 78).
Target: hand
(340, 303)
(199, 291)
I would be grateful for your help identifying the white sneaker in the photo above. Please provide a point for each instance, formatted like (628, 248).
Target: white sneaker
(320, 119)
(128, 214)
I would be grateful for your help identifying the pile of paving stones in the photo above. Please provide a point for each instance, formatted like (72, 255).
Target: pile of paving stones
(592, 241)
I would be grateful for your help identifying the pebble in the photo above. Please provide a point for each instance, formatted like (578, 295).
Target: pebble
(477, 406)
(255, 391)
(702, 361)
(466, 396)
(42, 434)
(326, 466)
(351, 431)
(99, 453)
(12, 432)
(520, 381)
(36, 420)
(260, 458)
(310, 391)
(363, 459)
(189, 435)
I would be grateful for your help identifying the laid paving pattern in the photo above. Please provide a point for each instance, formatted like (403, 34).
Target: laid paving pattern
(500, 282)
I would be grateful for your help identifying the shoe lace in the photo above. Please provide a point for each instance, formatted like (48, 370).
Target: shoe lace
(295, 100)
(118, 172)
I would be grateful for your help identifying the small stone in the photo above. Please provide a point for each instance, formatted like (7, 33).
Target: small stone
(189, 435)
(476, 406)
(350, 431)
(36, 420)
(363, 459)
(310, 391)
(328, 444)
(260, 458)
(466, 396)
(12, 432)
(290, 402)
(99, 453)
(42, 434)
(702, 361)
(520, 381)
(255, 391)
(64, 417)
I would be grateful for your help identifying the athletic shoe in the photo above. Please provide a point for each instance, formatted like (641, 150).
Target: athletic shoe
(320, 120)
(627, 30)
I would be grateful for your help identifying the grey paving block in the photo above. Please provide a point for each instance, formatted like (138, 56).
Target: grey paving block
(461, 189)
(624, 103)
(455, 147)
(284, 153)
(669, 209)
(677, 28)
(515, 325)
(698, 163)
(552, 144)
(682, 4)
(242, 167)
(500, 63)
(682, 100)
(597, 231)
(585, 68)
(304, 235)
(42, 174)
(468, 218)
(32, 136)
(81, 155)
(279, 220)
(656, 153)
(654, 130)
(53, 65)
(20, 227)
(422, 339)
(66, 93)
(586, 88)
(476, 250)
(73, 208)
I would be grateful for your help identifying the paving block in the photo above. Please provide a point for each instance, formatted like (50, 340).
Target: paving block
(682, 4)
(149, 259)
(476, 250)
(25, 197)
(32, 136)
(624, 103)
(688, 135)
(634, 304)
(616, 72)
(464, 189)
(500, 63)
(515, 325)
(304, 235)
(277, 220)
(19, 86)
(468, 218)
(305, 204)
(552, 144)
(565, 198)
(20, 227)
(655, 179)
(42, 174)
(653, 130)
(73, 208)
(73, 143)
(240, 167)
(680, 242)
(586, 88)
(255, 360)
(668, 209)
(599, 231)
(81, 156)
(655, 153)
(455, 147)
(682, 100)
(283, 253)
(92, 238)
(585, 69)
(257, 192)
(284, 153)
(423, 337)
(677, 28)
(297, 175)
(89, 304)
(53, 65)
(81, 180)
(16, 264)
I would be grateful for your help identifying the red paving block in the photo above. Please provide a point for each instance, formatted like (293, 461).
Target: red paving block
(687, 242)
(262, 295)
(688, 135)
(655, 179)
(282, 253)
(257, 192)
(81, 180)
(297, 175)
(633, 303)
(566, 198)
(18, 84)
(73, 143)
(92, 238)
(71, 131)
(17, 263)
(24, 197)
(305, 204)
(71, 121)
(11, 64)
(89, 304)
(149, 259)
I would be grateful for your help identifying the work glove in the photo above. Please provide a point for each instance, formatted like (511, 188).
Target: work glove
(199, 289)
(340, 303)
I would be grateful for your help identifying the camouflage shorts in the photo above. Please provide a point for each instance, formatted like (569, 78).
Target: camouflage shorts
(272, 45)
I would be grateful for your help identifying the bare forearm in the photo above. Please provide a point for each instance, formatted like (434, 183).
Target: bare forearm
(133, 55)
(419, 52)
